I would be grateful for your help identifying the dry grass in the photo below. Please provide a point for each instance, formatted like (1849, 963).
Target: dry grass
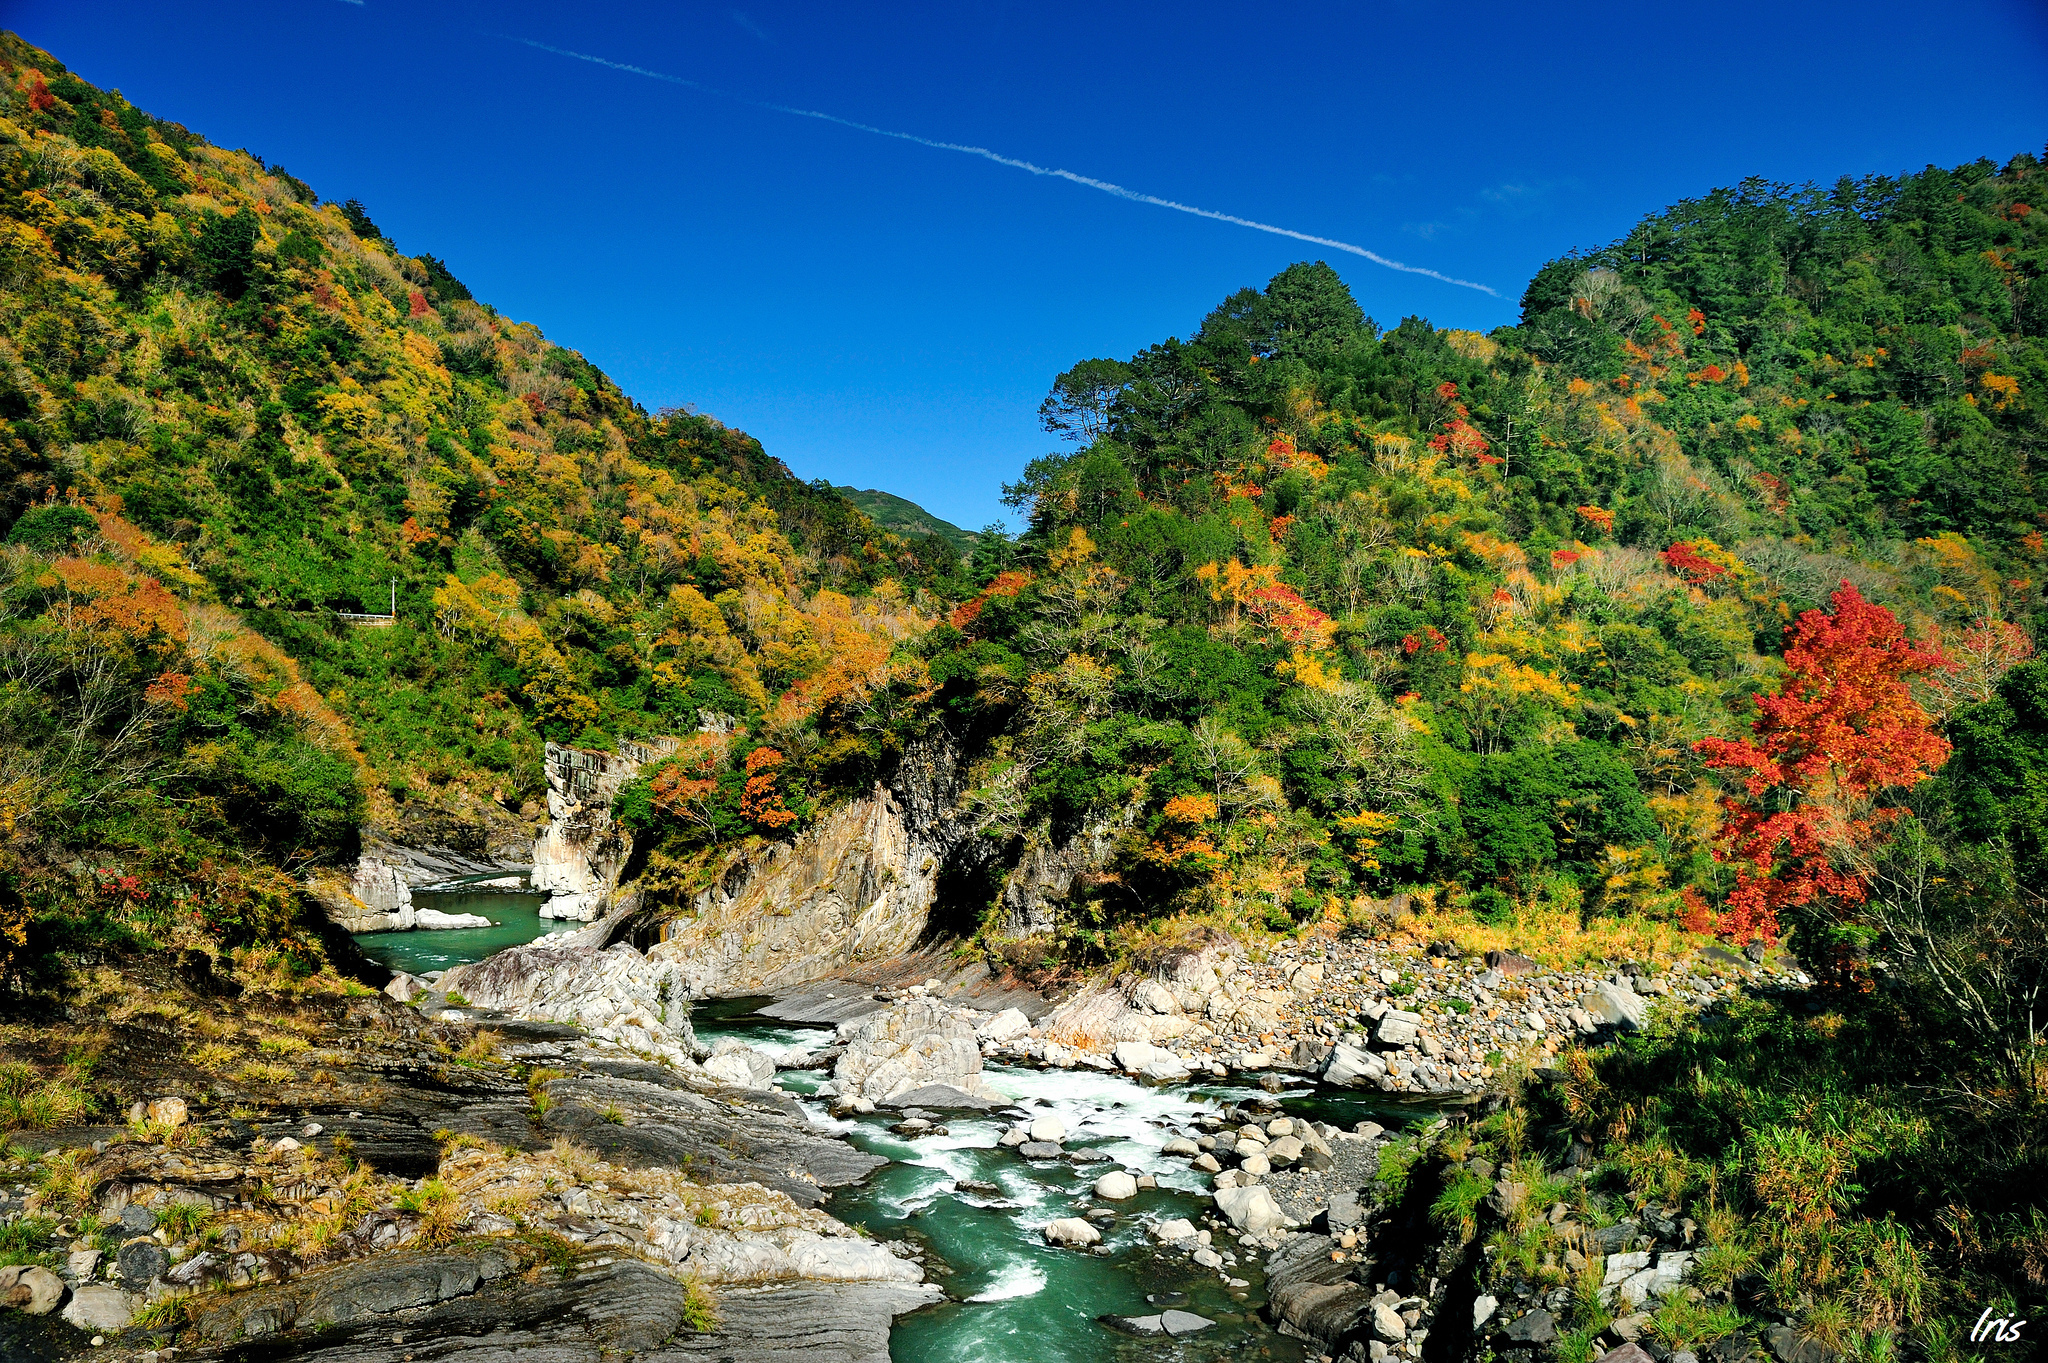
(263, 1072)
(1556, 935)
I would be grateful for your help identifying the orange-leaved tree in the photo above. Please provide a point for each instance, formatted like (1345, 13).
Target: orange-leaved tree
(1842, 733)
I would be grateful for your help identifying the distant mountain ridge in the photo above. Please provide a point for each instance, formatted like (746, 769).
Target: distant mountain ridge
(905, 517)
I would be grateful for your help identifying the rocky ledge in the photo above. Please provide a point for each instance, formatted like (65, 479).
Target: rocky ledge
(515, 1188)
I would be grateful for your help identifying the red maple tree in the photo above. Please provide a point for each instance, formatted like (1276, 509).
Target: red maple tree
(1842, 731)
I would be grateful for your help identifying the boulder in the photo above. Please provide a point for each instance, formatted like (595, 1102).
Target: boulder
(908, 1045)
(1048, 1129)
(1483, 1308)
(1040, 1150)
(1397, 1028)
(34, 1291)
(1180, 1145)
(1132, 1325)
(169, 1112)
(1116, 1187)
(433, 920)
(1163, 1068)
(101, 1308)
(1178, 1228)
(1615, 1005)
(1180, 1323)
(1510, 963)
(1350, 1066)
(944, 1096)
(1787, 1345)
(1007, 1025)
(1250, 1210)
(736, 1063)
(1072, 1232)
(640, 1002)
(1134, 1055)
(405, 988)
(1387, 1324)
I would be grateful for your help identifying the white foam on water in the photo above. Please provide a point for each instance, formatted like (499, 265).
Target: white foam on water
(1019, 1279)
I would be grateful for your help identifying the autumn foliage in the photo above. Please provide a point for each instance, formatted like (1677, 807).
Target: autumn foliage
(1841, 733)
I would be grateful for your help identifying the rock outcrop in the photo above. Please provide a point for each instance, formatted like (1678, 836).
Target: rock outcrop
(1044, 876)
(908, 1046)
(577, 860)
(859, 885)
(640, 1002)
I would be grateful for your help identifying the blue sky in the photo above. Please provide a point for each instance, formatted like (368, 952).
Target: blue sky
(889, 314)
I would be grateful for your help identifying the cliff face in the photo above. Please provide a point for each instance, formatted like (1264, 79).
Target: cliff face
(858, 885)
(577, 860)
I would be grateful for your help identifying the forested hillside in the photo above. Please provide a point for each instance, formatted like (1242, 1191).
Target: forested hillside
(1699, 602)
(230, 412)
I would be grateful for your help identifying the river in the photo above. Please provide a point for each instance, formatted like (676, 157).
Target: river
(515, 920)
(1012, 1297)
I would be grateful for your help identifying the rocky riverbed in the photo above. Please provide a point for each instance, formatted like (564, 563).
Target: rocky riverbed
(541, 1154)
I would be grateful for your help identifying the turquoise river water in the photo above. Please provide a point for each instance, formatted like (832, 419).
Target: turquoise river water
(515, 920)
(1013, 1298)
(977, 1209)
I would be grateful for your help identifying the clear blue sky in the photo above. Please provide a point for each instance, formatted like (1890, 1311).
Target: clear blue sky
(889, 315)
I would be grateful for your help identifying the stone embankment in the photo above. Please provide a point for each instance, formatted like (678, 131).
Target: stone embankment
(1396, 1016)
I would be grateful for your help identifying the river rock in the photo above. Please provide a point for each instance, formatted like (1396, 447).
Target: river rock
(1048, 1129)
(1255, 1164)
(944, 1096)
(1387, 1324)
(1615, 1005)
(1250, 1209)
(639, 1002)
(404, 987)
(1072, 1232)
(1632, 1352)
(1116, 1187)
(1349, 1066)
(433, 920)
(734, 1062)
(1483, 1308)
(34, 1291)
(101, 1308)
(1007, 1025)
(1040, 1150)
(906, 1046)
(1180, 1145)
(1177, 1228)
(1180, 1323)
(1133, 1325)
(169, 1112)
(1133, 1056)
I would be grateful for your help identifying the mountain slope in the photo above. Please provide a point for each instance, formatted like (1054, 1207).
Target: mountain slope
(251, 406)
(905, 517)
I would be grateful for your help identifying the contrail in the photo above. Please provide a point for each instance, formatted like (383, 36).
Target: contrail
(1014, 163)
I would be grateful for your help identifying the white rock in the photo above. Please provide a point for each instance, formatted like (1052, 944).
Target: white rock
(1387, 1323)
(169, 1112)
(101, 1308)
(1048, 1129)
(1134, 1055)
(1348, 1065)
(615, 994)
(1072, 1231)
(1255, 1164)
(1180, 1145)
(405, 988)
(1007, 1025)
(285, 1145)
(433, 920)
(1615, 1005)
(1057, 1055)
(1116, 1187)
(1483, 1309)
(1163, 1068)
(1250, 1209)
(907, 1046)
(1179, 1228)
